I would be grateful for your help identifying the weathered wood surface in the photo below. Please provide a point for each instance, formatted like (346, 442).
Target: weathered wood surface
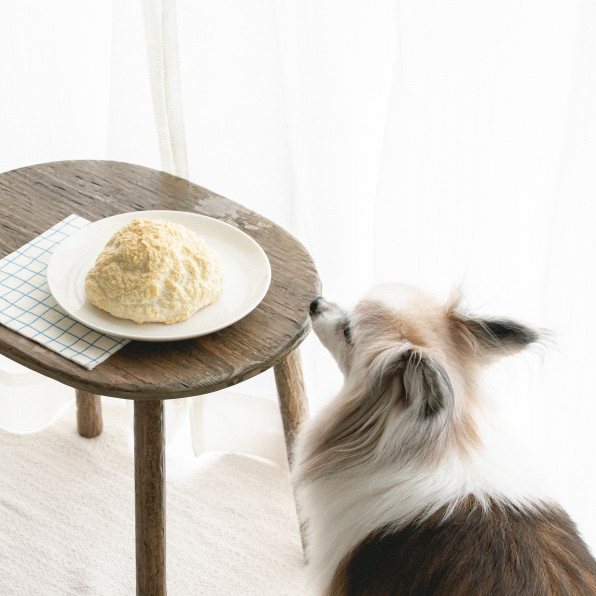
(33, 199)
(293, 404)
(89, 417)
(150, 498)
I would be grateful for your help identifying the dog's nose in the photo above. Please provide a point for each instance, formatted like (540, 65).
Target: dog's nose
(315, 304)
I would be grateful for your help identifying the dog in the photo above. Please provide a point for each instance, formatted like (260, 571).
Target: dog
(395, 479)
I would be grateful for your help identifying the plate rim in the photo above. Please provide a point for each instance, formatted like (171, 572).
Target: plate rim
(147, 337)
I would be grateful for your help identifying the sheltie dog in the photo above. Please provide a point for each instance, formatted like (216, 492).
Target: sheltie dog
(395, 478)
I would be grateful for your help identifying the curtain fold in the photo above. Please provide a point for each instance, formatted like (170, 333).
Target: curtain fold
(161, 37)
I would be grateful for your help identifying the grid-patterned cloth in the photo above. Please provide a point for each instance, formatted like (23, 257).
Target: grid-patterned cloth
(27, 306)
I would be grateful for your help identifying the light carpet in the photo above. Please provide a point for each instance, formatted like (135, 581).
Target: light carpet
(67, 517)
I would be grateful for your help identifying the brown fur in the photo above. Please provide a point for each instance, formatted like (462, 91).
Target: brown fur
(499, 552)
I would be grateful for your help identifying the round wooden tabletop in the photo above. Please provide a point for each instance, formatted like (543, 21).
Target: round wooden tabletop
(32, 199)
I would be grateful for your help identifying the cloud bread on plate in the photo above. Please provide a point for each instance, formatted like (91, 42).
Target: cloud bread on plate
(153, 270)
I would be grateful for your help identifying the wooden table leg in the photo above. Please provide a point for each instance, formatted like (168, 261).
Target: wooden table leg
(150, 502)
(89, 419)
(293, 406)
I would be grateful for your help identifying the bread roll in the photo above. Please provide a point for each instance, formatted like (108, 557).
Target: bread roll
(153, 270)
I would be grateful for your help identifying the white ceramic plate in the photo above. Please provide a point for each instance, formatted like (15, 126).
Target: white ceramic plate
(247, 274)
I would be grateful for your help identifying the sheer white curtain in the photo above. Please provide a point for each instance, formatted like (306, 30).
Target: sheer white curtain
(434, 143)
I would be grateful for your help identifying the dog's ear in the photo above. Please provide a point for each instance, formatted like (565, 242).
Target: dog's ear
(418, 381)
(426, 384)
(491, 338)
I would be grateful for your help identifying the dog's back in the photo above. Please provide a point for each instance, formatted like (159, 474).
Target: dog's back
(476, 551)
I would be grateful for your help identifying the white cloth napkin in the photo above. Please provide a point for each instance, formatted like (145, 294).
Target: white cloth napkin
(27, 306)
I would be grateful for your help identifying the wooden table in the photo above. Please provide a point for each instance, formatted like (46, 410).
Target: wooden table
(33, 199)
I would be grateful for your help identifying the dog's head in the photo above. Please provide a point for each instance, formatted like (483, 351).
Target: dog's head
(411, 367)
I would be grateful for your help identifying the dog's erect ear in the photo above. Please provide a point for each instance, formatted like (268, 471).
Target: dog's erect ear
(418, 381)
(490, 338)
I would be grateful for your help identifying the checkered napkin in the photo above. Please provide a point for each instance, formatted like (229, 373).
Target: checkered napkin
(27, 306)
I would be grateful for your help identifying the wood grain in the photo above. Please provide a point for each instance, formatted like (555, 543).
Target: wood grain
(34, 198)
(89, 417)
(150, 498)
(293, 404)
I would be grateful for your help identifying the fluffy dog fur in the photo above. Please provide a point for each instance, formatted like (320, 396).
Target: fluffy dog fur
(395, 478)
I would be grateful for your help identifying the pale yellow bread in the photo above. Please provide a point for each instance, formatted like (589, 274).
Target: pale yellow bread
(153, 270)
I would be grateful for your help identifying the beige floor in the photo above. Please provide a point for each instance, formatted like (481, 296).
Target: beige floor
(67, 517)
